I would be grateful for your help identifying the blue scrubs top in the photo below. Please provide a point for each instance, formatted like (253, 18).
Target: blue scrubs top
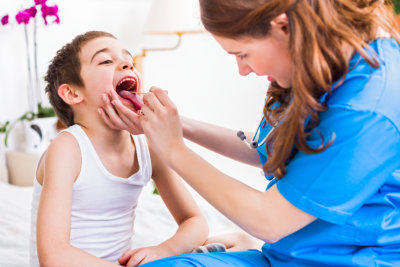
(353, 187)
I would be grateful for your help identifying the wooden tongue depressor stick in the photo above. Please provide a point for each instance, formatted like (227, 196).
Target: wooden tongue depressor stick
(139, 93)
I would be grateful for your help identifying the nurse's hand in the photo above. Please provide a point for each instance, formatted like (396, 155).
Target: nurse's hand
(117, 116)
(161, 124)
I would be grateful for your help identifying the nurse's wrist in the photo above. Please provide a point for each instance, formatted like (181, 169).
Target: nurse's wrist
(176, 154)
(186, 129)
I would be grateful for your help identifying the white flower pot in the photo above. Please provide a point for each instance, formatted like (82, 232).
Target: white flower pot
(38, 134)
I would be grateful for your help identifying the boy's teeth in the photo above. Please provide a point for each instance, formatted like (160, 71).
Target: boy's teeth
(127, 79)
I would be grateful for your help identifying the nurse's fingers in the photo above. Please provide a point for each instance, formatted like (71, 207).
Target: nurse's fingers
(109, 114)
(146, 113)
(107, 106)
(113, 94)
(162, 96)
(129, 117)
(125, 113)
(152, 102)
(106, 119)
(119, 107)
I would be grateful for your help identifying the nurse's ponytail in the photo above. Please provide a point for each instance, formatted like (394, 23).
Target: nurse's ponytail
(323, 36)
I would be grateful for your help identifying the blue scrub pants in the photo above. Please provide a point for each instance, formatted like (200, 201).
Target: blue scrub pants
(219, 259)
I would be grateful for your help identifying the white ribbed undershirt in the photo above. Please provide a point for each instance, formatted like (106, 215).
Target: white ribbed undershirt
(103, 205)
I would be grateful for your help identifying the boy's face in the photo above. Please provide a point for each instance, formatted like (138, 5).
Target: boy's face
(106, 64)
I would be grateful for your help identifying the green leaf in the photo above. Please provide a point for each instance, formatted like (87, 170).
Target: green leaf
(45, 112)
(29, 116)
(396, 5)
(3, 127)
(155, 191)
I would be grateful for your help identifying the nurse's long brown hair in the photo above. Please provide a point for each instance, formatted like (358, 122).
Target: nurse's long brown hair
(322, 32)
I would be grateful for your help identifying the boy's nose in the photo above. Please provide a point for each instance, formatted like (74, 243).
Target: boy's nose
(127, 66)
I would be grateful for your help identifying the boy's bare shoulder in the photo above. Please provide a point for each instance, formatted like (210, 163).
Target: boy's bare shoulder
(64, 142)
(63, 152)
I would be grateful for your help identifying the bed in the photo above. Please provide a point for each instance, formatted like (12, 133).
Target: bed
(153, 222)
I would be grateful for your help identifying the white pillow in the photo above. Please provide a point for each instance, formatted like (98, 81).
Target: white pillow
(3, 172)
(21, 167)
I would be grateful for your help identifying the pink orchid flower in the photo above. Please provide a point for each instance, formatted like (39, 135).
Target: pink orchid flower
(50, 11)
(25, 15)
(31, 11)
(4, 20)
(40, 2)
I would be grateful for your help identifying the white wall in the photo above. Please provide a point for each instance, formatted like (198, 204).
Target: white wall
(200, 77)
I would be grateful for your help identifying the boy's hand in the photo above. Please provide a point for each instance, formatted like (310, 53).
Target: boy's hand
(236, 241)
(141, 256)
(117, 116)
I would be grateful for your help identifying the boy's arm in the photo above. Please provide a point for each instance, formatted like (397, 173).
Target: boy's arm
(61, 167)
(192, 227)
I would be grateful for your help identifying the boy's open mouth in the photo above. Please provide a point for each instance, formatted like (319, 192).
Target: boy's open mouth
(127, 88)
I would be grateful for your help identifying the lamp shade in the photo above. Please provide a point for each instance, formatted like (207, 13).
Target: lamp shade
(173, 17)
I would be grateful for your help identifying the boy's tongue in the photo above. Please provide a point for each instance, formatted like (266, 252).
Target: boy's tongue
(135, 100)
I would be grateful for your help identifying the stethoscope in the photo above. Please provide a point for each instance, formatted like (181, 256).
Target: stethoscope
(254, 140)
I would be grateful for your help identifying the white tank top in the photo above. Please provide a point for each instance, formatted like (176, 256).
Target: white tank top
(103, 205)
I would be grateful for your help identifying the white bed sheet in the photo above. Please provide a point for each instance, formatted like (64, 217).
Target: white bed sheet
(153, 222)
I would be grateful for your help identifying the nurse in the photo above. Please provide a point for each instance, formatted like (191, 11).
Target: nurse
(333, 122)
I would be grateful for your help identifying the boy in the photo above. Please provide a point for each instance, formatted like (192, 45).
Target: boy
(89, 179)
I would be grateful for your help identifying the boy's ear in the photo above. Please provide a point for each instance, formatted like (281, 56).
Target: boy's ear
(70, 94)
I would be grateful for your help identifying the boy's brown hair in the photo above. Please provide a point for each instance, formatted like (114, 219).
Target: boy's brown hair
(65, 68)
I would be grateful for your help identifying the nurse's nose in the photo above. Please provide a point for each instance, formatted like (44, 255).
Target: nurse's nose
(244, 69)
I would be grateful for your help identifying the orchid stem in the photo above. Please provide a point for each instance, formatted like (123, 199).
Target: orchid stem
(37, 93)
(29, 87)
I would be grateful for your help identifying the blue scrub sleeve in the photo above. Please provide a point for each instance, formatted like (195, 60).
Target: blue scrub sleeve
(333, 184)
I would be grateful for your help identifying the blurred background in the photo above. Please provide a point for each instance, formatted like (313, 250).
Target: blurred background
(200, 77)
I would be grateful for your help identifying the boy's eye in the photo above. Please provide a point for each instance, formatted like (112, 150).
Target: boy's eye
(242, 56)
(108, 61)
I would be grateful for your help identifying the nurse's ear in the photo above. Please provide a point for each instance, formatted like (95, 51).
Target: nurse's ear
(281, 23)
(70, 94)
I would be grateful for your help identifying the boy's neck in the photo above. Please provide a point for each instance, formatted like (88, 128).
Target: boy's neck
(99, 133)
(115, 148)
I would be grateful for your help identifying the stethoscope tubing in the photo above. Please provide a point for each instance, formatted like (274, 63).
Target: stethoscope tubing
(253, 144)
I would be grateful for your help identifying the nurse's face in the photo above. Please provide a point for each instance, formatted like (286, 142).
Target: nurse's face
(267, 56)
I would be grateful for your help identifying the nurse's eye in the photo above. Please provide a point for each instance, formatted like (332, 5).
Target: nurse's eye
(108, 61)
(242, 56)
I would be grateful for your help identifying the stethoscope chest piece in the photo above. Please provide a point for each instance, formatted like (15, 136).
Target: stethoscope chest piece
(254, 140)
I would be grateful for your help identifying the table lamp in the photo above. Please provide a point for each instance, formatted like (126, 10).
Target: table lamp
(170, 17)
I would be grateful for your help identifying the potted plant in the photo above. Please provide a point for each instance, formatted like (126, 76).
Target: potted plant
(39, 128)
(38, 122)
